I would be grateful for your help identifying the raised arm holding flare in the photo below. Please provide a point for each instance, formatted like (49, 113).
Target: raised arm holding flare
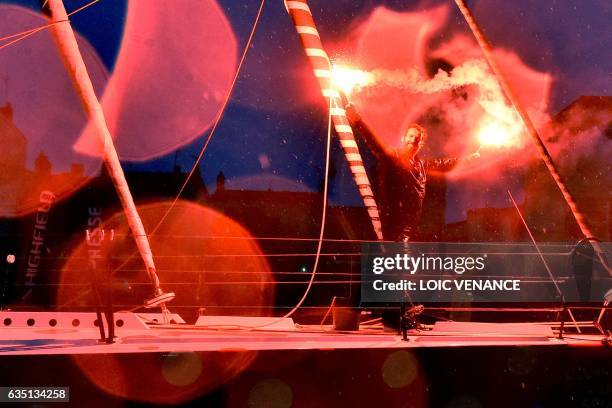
(400, 176)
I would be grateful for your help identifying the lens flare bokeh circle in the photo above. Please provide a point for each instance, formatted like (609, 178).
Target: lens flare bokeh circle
(208, 260)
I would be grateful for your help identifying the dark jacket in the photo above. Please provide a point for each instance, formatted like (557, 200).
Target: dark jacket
(398, 185)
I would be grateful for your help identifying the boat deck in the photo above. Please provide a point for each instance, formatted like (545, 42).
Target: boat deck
(30, 334)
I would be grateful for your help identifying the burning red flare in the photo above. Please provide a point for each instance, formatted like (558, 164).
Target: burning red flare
(350, 79)
(498, 134)
(462, 109)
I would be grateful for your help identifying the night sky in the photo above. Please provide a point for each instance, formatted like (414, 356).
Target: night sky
(268, 137)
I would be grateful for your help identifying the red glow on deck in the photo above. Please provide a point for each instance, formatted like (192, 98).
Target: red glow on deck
(162, 378)
(397, 376)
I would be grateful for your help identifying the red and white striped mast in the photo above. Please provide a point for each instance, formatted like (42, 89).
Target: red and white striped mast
(319, 60)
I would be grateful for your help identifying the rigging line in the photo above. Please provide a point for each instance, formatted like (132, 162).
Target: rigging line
(329, 309)
(210, 134)
(487, 51)
(217, 119)
(284, 239)
(275, 281)
(537, 247)
(323, 215)
(305, 254)
(91, 3)
(293, 255)
(559, 292)
(25, 34)
(8, 37)
(322, 231)
(288, 239)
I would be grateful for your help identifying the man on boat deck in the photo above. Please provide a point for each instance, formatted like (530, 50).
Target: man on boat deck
(400, 177)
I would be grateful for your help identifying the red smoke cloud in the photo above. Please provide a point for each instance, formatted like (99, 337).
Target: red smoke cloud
(396, 47)
(391, 40)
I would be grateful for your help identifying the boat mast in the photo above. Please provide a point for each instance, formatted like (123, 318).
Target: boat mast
(73, 60)
(535, 137)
